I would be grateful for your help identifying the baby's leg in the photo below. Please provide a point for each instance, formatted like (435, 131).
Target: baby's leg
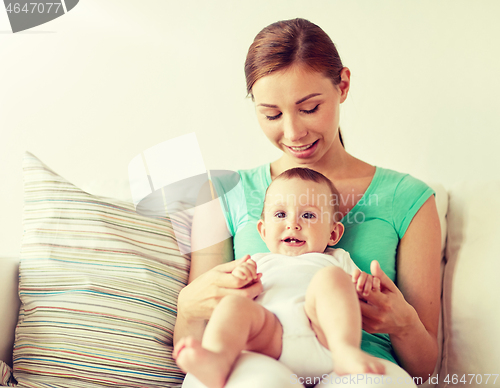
(237, 324)
(333, 308)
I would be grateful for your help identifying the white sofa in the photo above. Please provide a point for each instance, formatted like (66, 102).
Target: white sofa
(470, 218)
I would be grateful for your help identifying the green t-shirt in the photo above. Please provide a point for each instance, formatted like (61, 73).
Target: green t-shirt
(373, 227)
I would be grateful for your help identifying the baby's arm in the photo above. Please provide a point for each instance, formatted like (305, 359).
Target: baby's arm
(247, 271)
(364, 283)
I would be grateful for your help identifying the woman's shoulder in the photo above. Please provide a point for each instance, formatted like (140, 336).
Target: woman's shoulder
(227, 180)
(403, 192)
(391, 175)
(263, 169)
(256, 178)
(391, 180)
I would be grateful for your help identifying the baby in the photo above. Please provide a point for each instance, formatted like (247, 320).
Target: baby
(308, 315)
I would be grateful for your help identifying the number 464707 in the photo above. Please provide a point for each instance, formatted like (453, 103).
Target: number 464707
(33, 7)
(471, 378)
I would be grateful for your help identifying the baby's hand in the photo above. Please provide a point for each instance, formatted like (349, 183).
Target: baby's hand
(247, 271)
(365, 283)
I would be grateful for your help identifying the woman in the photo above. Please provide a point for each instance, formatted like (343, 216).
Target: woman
(297, 81)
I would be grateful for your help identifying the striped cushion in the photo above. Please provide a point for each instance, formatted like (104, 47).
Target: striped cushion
(6, 377)
(98, 286)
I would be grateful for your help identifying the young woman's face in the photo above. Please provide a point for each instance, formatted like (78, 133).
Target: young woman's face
(299, 111)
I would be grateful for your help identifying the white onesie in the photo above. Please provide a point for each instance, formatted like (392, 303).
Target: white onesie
(285, 280)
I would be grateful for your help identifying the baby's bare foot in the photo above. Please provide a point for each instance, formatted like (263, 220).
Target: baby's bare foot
(212, 369)
(354, 360)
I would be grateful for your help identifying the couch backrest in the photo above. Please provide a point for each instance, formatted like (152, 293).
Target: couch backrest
(9, 305)
(9, 300)
(471, 308)
(442, 208)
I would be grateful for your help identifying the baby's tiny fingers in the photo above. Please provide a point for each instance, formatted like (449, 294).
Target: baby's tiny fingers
(239, 273)
(355, 275)
(368, 285)
(251, 269)
(361, 281)
(246, 272)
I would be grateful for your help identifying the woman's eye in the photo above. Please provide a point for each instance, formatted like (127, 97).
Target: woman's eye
(273, 117)
(280, 214)
(312, 110)
(309, 215)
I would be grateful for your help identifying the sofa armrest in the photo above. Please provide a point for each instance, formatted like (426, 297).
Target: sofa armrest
(9, 305)
(442, 208)
(471, 314)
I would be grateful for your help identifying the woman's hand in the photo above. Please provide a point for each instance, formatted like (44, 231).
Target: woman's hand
(198, 299)
(385, 310)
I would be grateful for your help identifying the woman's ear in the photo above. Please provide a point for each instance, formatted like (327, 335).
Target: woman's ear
(345, 83)
(261, 227)
(337, 232)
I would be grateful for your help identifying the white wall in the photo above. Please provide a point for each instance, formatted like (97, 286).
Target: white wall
(90, 90)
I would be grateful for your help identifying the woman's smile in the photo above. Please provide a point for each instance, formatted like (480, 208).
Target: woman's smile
(305, 151)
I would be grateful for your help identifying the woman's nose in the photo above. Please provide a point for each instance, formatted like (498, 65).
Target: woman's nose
(294, 130)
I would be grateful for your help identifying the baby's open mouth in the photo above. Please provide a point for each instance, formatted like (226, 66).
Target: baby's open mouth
(292, 240)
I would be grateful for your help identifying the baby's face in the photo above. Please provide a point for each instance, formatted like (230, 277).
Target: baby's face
(298, 218)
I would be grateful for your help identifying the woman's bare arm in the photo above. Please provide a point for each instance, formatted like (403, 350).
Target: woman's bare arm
(210, 275)
(195, 303)
(418, 277)
(410, 313)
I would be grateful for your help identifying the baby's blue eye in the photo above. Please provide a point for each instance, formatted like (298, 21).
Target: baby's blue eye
(280, 214)
(309, 215)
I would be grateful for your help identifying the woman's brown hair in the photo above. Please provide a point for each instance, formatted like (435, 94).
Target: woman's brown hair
(292, 42)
